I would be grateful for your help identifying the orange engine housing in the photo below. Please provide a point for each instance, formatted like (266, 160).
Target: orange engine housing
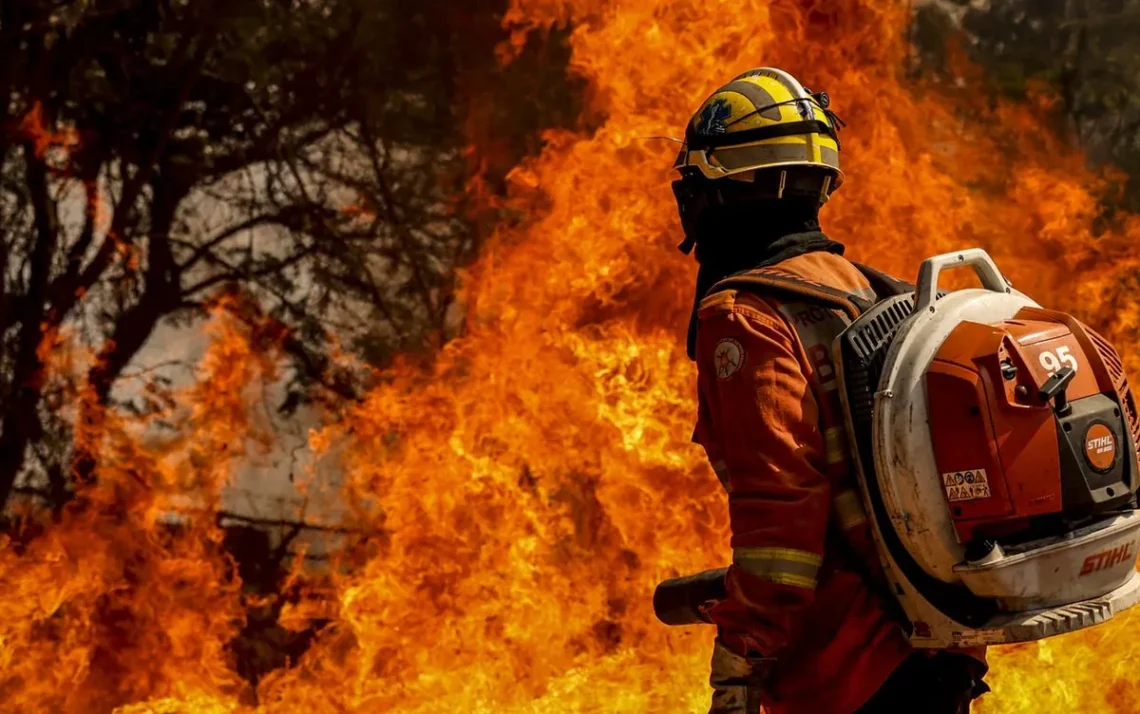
(1014, 463)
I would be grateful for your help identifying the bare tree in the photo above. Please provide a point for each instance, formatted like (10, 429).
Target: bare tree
(153, 152)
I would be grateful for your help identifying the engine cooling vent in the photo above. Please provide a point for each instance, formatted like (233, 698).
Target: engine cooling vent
(1120, 381)
(865, 347)
(1109, 355)
(1064, 619)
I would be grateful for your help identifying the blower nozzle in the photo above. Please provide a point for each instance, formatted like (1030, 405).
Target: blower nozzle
(681, 601)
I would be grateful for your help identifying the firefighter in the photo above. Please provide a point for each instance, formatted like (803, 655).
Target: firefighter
(806, 626)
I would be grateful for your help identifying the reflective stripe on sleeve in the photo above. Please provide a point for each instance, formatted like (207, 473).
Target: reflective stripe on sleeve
(835, 445)
(784, 566)
(849, 509)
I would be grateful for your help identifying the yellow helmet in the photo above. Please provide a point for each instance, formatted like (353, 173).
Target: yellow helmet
(762, 119)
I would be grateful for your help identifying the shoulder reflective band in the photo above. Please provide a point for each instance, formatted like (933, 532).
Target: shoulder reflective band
(835, 445)
(796, 128)
(784, 566)
(849, 509)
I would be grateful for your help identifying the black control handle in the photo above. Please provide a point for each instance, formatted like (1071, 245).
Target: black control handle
(1054, 388)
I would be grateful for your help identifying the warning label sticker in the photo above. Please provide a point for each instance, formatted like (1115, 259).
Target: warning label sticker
(966, 485)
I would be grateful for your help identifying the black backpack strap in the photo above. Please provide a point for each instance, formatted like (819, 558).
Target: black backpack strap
(884, 285)
(767, 282)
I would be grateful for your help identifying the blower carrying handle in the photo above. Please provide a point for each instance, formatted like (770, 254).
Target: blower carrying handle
(681, 601)
(926, 291)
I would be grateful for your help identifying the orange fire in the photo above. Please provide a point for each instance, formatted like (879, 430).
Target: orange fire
(536, 481)
(54, 143)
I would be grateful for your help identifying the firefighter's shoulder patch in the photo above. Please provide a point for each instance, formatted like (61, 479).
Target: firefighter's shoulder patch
(728, 358)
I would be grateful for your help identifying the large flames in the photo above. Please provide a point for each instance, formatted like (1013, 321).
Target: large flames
(536, 482)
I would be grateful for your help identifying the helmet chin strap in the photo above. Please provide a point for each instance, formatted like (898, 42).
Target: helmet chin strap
(692, 200)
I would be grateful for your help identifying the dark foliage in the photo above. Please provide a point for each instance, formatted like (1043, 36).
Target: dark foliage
(1084, 51)
(313, 154)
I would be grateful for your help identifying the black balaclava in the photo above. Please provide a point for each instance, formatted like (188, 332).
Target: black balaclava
(753, 234)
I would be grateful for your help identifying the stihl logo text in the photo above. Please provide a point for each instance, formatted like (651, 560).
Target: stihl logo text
(1107, 559)
(1100, 445)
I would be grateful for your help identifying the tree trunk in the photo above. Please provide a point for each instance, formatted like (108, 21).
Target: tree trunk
(21, 423)
(134, 327)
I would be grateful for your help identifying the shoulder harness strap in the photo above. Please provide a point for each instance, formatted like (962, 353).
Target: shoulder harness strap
(777, 282)
(884, 285)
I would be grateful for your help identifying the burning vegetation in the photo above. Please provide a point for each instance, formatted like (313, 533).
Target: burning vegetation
(509, 504)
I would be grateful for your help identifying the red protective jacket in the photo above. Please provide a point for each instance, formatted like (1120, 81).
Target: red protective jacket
(770, 423)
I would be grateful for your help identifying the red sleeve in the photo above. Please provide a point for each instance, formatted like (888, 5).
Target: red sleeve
(762, 435)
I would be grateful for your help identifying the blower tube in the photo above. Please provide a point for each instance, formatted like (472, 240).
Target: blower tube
(678, 601)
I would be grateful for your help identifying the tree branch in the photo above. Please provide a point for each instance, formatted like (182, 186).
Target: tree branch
(203, 249)
(285, 523)
(78, 280)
